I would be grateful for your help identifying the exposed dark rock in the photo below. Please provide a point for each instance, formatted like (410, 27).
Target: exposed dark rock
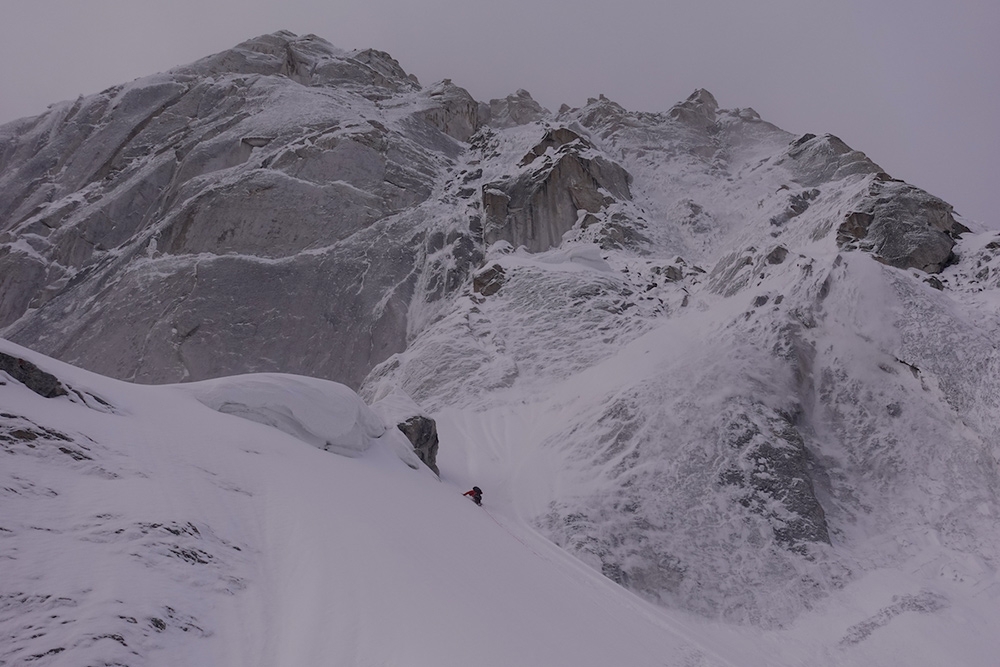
(422, 433)
(257, 142)
(903, 226)
(671, 273)
(489, 280)
(797, 205)
(777, 256)
(927, 602)
(31, 376)
(803, 139)
(556, 138)
(614, 232)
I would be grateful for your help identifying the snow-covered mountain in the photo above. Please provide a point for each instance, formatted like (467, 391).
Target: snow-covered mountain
(748, 376)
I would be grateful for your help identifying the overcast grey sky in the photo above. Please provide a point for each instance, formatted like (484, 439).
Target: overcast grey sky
(914, 84)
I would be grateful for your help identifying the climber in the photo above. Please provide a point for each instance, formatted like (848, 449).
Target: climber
(476, 494)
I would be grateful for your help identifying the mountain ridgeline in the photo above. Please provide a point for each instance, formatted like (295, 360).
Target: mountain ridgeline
(776, 364)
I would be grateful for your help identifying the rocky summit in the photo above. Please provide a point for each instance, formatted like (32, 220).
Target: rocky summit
(765, 368)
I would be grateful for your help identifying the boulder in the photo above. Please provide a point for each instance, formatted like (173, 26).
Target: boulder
(489, 280)
(31, 376)
(422, 433)
(451, 109)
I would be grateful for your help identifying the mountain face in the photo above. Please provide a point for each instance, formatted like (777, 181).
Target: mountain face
(735, 370)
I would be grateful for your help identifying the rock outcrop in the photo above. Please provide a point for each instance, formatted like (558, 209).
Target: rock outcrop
(513, 110)
(565, 179)
(772, 475)
(31, 376)
(452, 110)
(699, 109)
(488, 280)
(422, 433)
(902, 226)
(818, 160)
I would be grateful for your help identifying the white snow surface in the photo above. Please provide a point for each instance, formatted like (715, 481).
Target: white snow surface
(179, 535)
(159, 531)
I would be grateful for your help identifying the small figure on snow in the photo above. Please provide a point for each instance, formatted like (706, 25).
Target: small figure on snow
(476, 494)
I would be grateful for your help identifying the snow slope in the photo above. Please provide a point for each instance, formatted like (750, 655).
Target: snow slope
(156, 530)
(160, 531)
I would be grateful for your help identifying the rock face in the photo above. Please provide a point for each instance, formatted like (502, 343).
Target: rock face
(264, 174)
(822, 159)
(903, 226)
(422, 432)
(452, 110)
(699, 109)
(537, 207)
(513, 110)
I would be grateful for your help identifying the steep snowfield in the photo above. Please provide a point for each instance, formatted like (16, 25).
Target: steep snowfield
(155, 530)
(618, 464)
(159, 531)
